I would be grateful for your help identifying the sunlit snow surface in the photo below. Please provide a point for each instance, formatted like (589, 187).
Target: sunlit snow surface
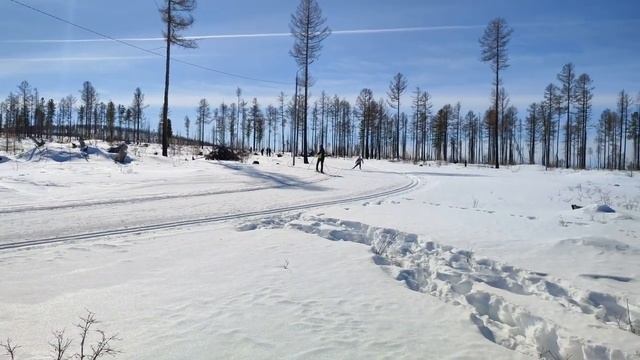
(463, 263)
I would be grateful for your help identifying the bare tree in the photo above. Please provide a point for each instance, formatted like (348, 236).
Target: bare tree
(283, 119)
(111, 119)
(9, 348)
(238, 94)
(204, 116)
(176, 15)
(494, 43)
(583, 97)
(89, 98)
(624, 100)
(137, 108)
(567, 78)
(187, 124)
(396, 88)
(103, 345)
(549, 104)
(59, 345)
(308, 29)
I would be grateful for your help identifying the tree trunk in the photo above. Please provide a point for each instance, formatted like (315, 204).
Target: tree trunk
(165, 107)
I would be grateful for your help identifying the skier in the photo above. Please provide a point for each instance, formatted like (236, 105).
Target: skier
(262, 151)
(358, 164)
(320, 159)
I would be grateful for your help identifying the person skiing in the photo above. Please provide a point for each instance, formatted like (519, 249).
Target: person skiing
(358, 164)
(320, 159)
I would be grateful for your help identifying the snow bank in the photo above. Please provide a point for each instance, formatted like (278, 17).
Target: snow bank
(458, 277)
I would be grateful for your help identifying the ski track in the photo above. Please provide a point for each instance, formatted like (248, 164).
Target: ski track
(88, 203)
(414, 183)
(450, 274)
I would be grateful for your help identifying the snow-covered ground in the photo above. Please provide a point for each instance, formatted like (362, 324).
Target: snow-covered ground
(196, 259)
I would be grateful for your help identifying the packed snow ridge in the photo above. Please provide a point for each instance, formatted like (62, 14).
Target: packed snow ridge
(457, 276)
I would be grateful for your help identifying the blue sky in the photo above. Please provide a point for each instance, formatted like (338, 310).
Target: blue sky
(442, 56)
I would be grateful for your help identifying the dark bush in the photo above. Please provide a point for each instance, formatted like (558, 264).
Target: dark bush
(222, 153)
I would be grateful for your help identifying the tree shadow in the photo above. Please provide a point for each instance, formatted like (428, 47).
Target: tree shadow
(278, 180)
(428, 173)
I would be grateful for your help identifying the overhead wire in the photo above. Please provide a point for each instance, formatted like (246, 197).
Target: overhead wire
(126, 43)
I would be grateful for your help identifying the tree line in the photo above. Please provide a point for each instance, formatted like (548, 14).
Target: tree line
(25, 113)
(556, 131)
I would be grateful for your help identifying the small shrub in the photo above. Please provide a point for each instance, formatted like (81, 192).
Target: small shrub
(60, 345)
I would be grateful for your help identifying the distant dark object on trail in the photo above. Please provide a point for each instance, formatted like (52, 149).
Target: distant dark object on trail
(279, 155)
(255, 153)
(121, 153)
(575, 207)
(256, 162)
(83, 147)
(155, 153)
(39, 143)
(605, 209)
(116, 149)
(222, 153)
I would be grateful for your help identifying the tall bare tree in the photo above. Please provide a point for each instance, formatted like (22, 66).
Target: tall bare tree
(396, 88)
(187, 124)
(567, 78)
(494, 43)
(111, 119)
(137, 109)
(237, 126)
(624, 100)
(89, 98)
(308, 29)
(176, 14)
(583, 96)
(204, 116)
(283, 119)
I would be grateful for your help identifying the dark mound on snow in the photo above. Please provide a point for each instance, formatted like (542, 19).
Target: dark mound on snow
(222, 153)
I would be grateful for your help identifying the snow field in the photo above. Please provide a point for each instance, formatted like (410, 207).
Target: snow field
(471, 263)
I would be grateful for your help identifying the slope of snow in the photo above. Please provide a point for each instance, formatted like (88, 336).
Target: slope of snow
(472, 263)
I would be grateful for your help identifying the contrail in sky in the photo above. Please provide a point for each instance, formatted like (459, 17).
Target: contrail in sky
(77, 58)
(259, 35)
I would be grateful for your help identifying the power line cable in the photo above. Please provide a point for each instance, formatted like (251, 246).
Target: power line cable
(126, 43)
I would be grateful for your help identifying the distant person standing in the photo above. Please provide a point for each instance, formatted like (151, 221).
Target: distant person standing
(358, 164)
(320, 161)
(262, 151)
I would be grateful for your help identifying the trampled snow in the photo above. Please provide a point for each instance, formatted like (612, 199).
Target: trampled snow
(195, 259)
